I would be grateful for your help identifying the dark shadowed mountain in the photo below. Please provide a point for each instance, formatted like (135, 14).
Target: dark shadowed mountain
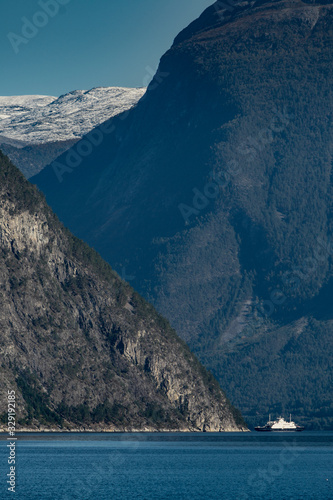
(214, 196)
(78, 345)
(31, 159)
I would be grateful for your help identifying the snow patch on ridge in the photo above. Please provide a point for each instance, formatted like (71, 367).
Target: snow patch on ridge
(39, 119)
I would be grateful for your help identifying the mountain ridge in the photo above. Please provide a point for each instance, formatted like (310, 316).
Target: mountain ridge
(216, 190)
(34, 130)
(40, 119)
(80, 348)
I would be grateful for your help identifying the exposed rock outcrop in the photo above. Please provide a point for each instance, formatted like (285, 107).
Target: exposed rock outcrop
(78, 345)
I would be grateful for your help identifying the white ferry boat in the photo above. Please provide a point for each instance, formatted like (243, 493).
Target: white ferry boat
(280, 425)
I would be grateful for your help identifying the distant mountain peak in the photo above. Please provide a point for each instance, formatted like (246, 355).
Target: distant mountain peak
(41, 119)
(226, 11)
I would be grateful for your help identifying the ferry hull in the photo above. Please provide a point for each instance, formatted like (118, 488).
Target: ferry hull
(260, 429)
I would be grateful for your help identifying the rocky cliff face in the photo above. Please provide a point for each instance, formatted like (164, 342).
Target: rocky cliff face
(79, 346)
(215, 195)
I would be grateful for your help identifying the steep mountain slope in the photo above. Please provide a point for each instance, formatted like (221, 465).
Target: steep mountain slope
(33, 158)
(215, 194)
(34, 130)
(78, 345)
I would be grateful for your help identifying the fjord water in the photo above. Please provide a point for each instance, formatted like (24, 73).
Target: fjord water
(237, 466)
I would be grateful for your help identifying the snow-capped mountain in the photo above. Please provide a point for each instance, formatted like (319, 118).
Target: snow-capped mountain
(35, 129)
(39, 119)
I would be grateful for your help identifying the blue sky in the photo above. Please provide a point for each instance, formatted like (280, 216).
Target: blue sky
(87, 43)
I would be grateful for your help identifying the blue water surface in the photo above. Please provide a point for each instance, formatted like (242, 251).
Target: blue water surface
(235, 466)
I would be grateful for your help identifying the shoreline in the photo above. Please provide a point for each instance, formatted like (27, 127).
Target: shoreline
(4, 432)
